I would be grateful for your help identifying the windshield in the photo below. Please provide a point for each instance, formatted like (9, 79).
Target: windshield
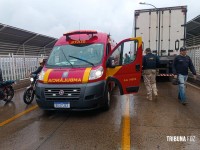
(80, 55)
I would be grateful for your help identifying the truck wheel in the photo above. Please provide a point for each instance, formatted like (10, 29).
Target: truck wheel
(9, 94)
(106, 98)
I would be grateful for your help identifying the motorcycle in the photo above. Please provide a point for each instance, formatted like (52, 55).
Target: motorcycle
(6, 90)
(29, 93)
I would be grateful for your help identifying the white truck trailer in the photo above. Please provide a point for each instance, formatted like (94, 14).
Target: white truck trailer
(164, 31)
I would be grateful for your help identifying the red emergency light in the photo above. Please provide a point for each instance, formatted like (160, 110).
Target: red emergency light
(90, 34)
(80, 32)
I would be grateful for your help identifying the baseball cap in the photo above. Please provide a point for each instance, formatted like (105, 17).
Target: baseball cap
(183, 49)
(148, 50)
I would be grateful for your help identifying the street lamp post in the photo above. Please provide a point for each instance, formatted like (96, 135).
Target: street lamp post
(143, 3)
(158, 13)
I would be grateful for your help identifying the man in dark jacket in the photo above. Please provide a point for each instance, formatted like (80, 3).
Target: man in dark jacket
(150, 63)
(180, 68)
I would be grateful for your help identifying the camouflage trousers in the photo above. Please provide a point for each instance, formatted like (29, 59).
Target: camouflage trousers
(149, 76)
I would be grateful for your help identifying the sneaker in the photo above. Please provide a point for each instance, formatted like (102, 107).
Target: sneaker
(184, 103)
(149, 98)
(156, 96)
(155, 93)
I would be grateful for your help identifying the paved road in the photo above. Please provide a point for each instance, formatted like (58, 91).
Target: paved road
(132, 123)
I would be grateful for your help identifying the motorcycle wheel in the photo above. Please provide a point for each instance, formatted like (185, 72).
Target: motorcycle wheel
(9, 94)
(28, 96)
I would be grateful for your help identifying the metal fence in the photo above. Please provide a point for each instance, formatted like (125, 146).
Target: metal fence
(194, 53)
(17, 67)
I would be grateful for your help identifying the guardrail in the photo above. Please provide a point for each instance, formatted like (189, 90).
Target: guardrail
(18, 67)
(192, 81)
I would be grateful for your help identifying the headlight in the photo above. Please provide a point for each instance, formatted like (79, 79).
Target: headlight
(31, 79)
(41, 76)
(95, 74)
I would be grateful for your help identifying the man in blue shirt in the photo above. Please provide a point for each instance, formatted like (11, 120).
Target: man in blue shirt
(127, 59)
(180, 69)
(150, 63)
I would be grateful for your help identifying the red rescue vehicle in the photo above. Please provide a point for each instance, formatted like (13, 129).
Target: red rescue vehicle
(84, 67)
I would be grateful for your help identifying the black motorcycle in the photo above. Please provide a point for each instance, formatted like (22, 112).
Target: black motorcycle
(29, 93)
(6, 90)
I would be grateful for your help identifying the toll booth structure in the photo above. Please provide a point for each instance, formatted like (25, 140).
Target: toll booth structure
(20, 51)
(193, 41)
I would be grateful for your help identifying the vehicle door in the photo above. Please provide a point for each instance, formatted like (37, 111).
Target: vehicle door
(124, 65)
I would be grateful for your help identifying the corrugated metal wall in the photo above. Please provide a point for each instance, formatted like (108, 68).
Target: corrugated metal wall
(6, 48)
(193, 41)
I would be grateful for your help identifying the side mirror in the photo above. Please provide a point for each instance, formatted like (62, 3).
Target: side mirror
(110, 62)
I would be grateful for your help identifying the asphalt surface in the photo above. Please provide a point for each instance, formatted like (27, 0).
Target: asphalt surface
(148, 125)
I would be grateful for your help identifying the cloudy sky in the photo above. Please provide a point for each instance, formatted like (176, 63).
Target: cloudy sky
(55, 17)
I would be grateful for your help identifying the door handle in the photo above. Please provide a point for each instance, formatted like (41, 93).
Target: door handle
(137, 67)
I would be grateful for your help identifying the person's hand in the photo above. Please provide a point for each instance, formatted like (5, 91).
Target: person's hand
(175, 76)
(195, 77)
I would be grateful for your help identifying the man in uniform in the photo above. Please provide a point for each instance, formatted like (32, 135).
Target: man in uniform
(150, 63)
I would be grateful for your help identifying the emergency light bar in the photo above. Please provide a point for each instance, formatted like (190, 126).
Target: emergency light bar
(80, 32)
(88, 32)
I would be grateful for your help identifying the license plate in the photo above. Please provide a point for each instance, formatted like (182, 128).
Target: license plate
(61, 105)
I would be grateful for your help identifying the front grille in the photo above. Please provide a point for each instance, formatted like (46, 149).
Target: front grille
(62, 93)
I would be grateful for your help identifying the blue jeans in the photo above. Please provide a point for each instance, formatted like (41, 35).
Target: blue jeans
(181, 87)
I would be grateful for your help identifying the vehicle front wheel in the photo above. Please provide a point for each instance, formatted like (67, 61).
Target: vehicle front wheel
(107, 99)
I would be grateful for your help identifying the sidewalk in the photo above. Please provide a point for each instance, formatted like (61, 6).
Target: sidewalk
(21, 84)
